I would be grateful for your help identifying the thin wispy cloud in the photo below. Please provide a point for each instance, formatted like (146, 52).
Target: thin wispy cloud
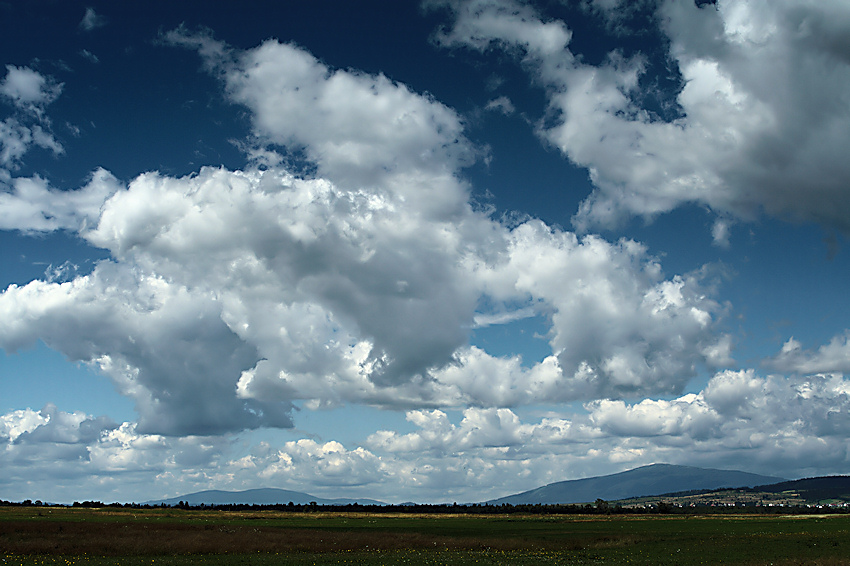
(92, 20)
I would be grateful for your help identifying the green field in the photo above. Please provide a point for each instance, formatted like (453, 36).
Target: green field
(72, 536)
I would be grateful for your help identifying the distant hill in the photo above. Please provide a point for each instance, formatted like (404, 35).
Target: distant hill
(655, 479)
(267, 496)
(823, 490)
(813, 489)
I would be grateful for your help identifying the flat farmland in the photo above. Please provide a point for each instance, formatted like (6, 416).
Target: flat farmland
(116, 536)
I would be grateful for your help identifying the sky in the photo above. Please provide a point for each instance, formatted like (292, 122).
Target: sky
(435, 252)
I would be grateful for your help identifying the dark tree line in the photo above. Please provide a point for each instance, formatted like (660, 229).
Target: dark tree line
(601, 507)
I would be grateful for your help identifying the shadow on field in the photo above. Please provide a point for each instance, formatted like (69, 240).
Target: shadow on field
(136, 539)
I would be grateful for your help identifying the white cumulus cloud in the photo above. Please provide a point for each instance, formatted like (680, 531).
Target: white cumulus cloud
(29, 90)
(829, 358)
(763, 108)
(231, 295)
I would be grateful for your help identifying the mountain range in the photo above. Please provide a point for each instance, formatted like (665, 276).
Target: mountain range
(655, 479)
(265, 496)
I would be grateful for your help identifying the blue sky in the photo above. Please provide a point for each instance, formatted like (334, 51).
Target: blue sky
(439, 251)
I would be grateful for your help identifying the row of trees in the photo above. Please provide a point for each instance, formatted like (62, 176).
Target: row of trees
(600, 507)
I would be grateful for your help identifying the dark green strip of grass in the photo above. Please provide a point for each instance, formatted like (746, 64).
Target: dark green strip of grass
(169, 537)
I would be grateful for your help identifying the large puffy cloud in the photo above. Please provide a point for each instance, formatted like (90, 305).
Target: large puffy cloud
(233, 294)
(763, 108)
(358, 130)
(686, 416)
(164, 346)
(346, 286)
(322, 464)
(618, 326)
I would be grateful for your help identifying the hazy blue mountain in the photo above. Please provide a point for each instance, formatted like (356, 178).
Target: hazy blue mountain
(656, 479)
(267, 496)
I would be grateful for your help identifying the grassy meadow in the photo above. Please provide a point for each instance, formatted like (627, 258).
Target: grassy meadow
(164, 537)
